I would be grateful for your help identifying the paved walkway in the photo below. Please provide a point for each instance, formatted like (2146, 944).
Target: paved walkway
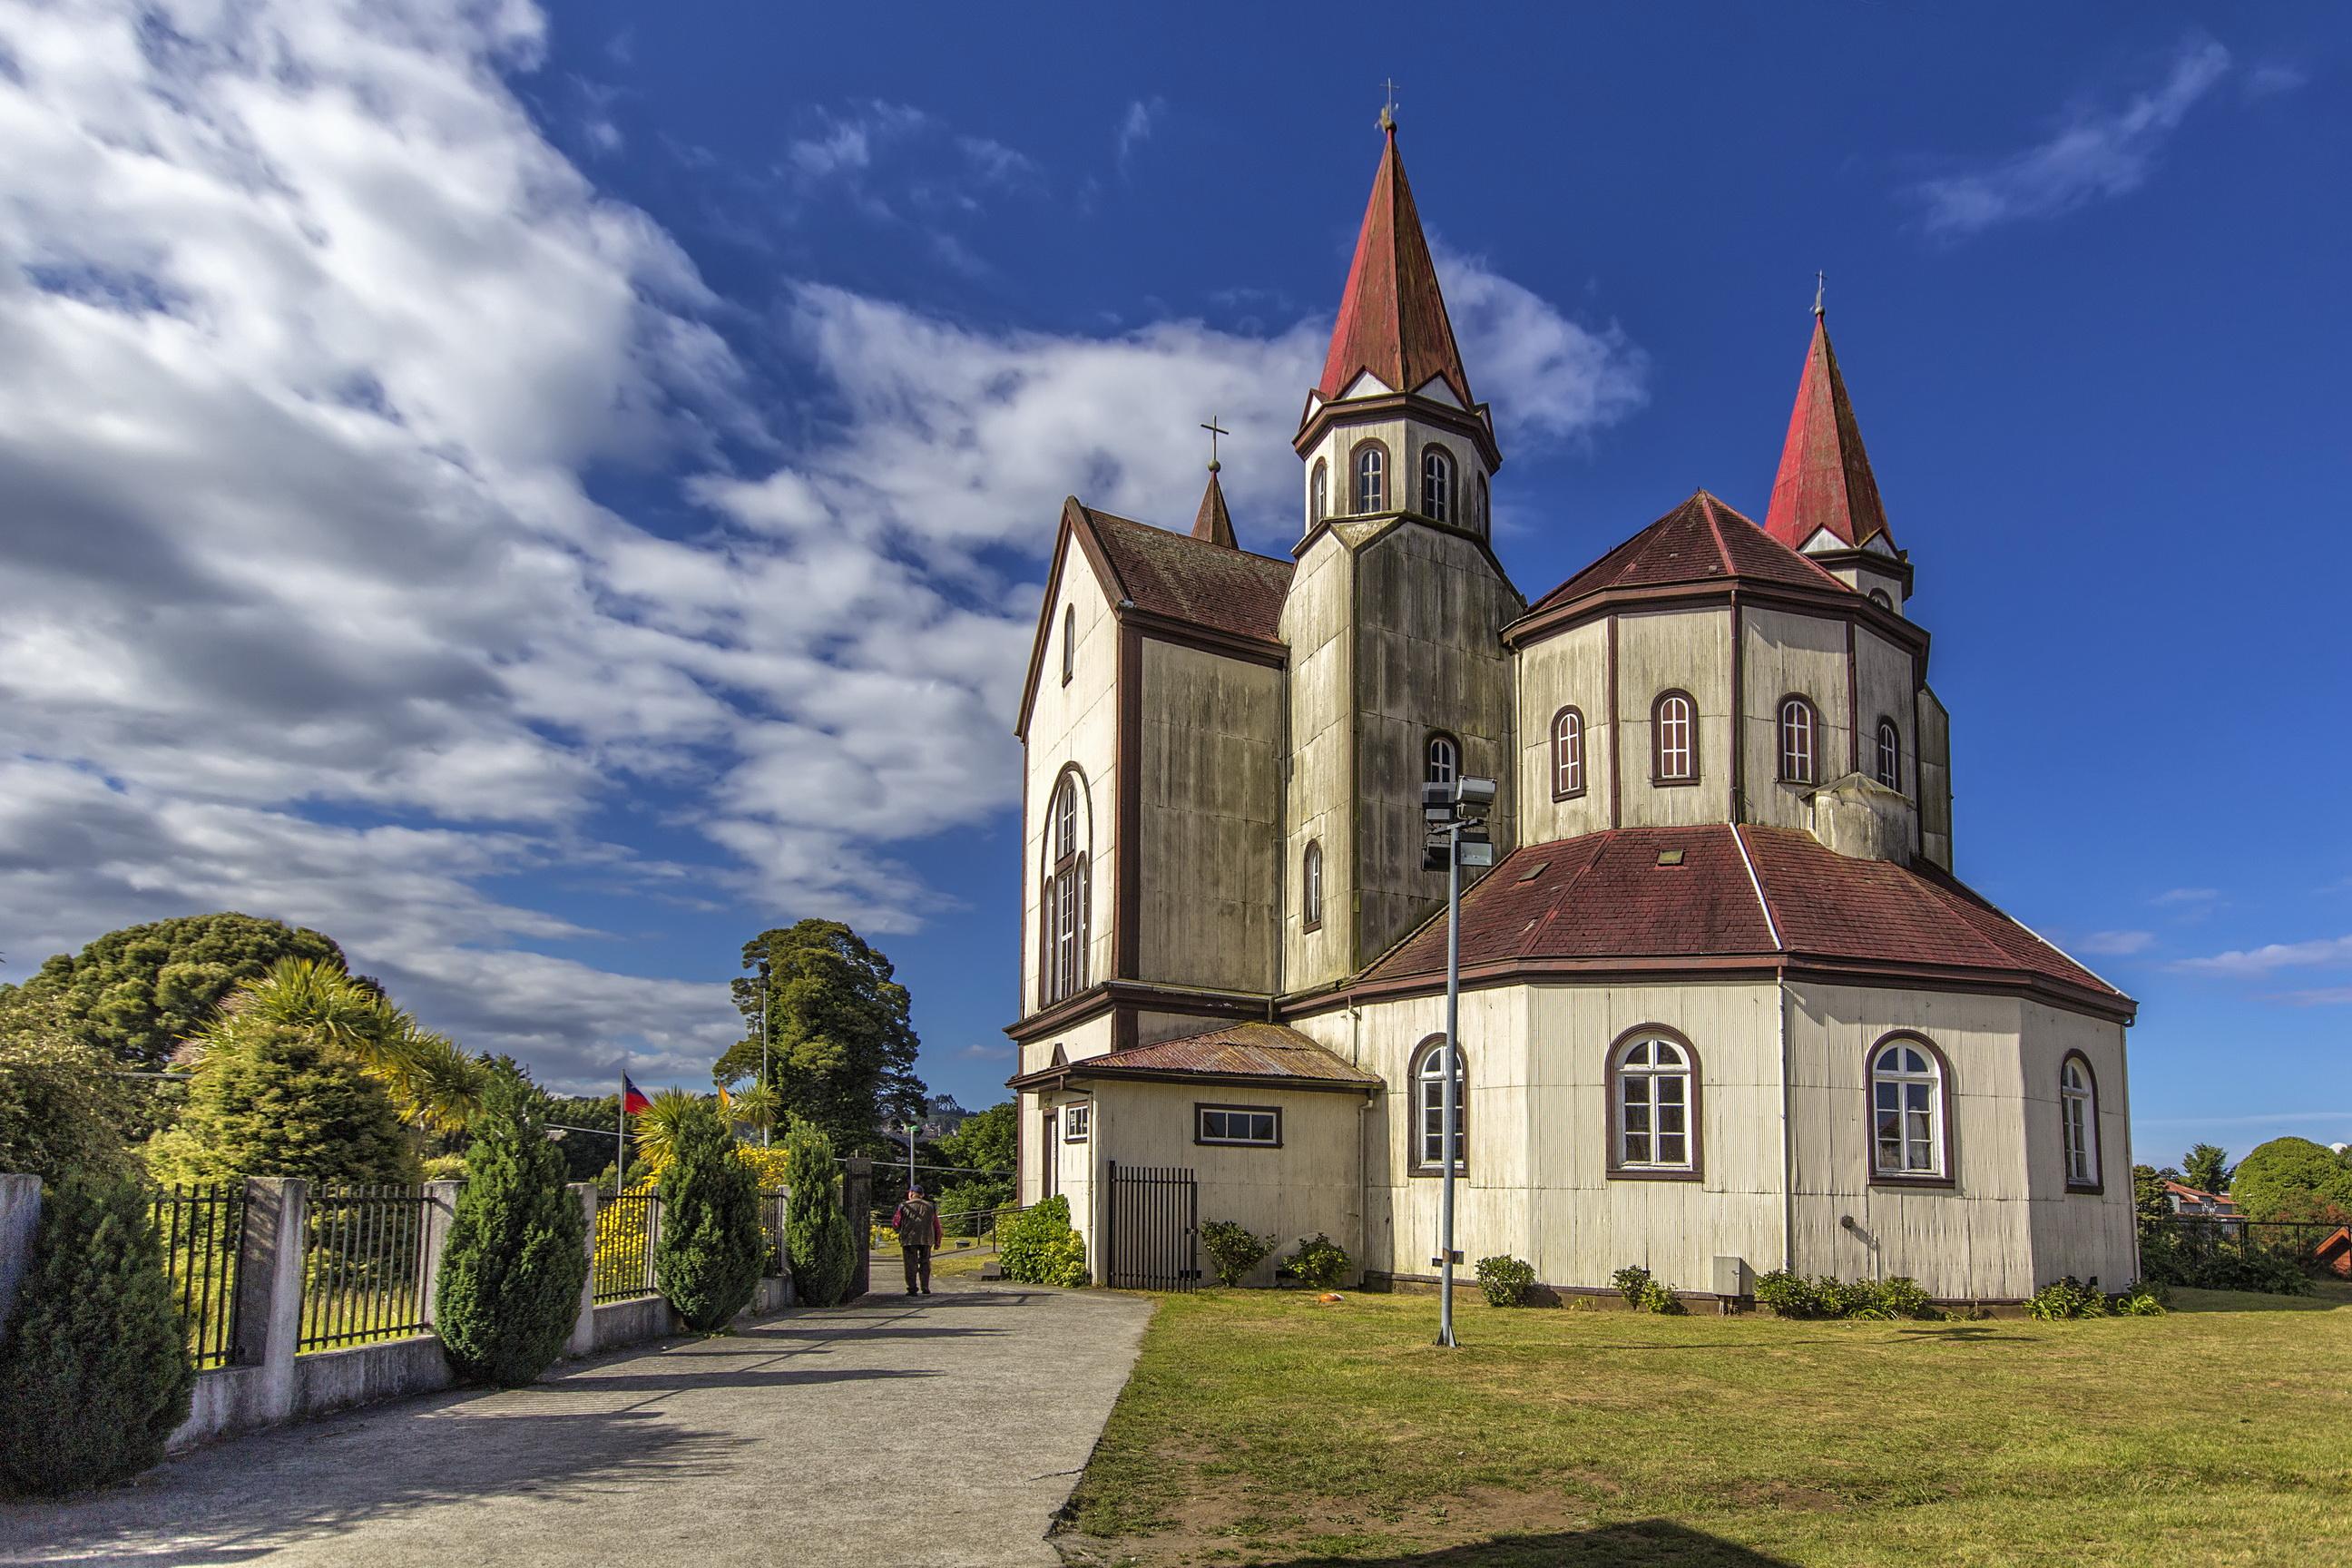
(934, 1434)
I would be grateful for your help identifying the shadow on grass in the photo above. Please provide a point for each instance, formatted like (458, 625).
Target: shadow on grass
(2328, 1295)
(1643, 1544)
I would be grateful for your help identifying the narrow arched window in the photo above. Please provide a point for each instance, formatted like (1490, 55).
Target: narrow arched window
(1674, 739)
(1070, 642)
(1436, 485)
(1068, 899)
(1653, 1090)
(1567, 754)
(1443, 761)
(1878, 596)
(1890, 755)
(1310, 877)
(1319, 493)
(1486, 522)
(1372, 479)
(2078, 1108)
(1429, 1127)
(1798, 741)
(1907, 1110)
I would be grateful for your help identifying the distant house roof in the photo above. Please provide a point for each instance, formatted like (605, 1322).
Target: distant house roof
(1271, 1054)
(1683, 897)
(2220, 1203)
(1702, 541)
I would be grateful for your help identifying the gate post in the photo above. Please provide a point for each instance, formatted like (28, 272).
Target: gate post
(1107, 1275)
(857, 1207)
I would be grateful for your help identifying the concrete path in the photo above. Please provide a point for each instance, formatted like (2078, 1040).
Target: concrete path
(895, 1434)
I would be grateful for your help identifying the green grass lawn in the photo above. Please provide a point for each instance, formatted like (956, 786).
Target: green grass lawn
(1261, 1428)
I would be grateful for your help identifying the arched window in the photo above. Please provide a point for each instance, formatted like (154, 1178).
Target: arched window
(2078, 1110)
(1878, 596)
(1443, 761)
(1067, 897)
(1372, 479)
(1567, 754)
(1070, 642)
(1907, 1110)
(1319, 493)
(1653, 1101)
(1486, 523)
(1310, 877)
(1798, 750)
(1674, 739)
(1436, 485)
(1890, 755)
(1429, 1109)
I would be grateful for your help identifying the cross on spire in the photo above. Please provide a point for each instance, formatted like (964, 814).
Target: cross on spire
(1388, 109)
(1215, 431)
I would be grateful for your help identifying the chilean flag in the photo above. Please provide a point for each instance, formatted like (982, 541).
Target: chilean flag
(633, 1098)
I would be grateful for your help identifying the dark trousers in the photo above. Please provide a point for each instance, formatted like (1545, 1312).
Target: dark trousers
(918, 1260)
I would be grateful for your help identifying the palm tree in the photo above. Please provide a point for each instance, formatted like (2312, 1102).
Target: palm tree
(659, 1125)
(436, 1085)
(757, 1107)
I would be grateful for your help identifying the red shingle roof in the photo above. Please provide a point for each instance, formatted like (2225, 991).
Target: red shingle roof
(1825, 480)
(1701, 541)
(1393, 317)
(1239, 1050)
(1607, 895)
(1193, 580)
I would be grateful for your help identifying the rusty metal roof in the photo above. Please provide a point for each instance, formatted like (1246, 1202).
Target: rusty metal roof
(1253, 1050)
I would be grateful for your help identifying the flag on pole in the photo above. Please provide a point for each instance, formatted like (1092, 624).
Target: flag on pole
(633, 1098)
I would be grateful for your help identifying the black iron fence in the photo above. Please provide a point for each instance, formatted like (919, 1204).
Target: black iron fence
(364, 1266)
(202, 1228)
(1154, 1219)
(625, 1245)
(2241, 1254)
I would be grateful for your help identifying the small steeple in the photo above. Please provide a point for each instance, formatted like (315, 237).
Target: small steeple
(1212, 521)
(1392, 319)
(1824, 481)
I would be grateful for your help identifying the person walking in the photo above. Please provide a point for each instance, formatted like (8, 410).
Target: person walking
(917, 1225)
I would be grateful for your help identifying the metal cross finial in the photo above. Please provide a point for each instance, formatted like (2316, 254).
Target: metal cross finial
(1821, 287)
(1215, 431)
(1388, 109)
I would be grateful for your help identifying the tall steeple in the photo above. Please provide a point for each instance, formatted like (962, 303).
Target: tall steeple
(1392, 321)
(1826, 485)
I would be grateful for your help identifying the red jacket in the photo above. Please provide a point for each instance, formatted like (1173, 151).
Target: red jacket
(917, 1224)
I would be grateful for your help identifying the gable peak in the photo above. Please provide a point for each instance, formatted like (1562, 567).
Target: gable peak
(1393, 323)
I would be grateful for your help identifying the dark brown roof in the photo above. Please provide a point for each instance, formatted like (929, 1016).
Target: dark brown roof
(1393, 317)
(1190, 579)
(1825, 480)
(1252, 1050)
(1608, 895)
(1701, 541)
(1213, 524)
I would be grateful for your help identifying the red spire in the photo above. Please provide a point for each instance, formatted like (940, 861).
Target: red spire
(1392, 318)
(1824, 481)
(1212, 521)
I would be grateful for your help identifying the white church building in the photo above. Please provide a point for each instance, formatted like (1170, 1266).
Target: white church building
(1726, 1007)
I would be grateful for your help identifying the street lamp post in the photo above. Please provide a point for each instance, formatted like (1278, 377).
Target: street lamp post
(767, 1129)
(1456, 814)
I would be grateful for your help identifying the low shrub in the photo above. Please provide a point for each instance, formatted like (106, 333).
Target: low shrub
(1506, 1280)
(1631, 1282)
(2067, 1298)
(2208, 1257)
(1037, 1246)
(1789, 1295)
(2142, 1300)
(1235, 1250)
(1321, 1263)
(1644, 1293)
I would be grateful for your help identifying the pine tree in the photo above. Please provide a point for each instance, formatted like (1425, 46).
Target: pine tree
(818, 1244)
(707, 1256)
(516, 1258)
(94, 1371)
(275, 1099)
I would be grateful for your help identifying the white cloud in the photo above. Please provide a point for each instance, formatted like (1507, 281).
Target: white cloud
(2116, 943)
(2276, 956)
(1549, 378)
(2095, 154)
(2191, 898)
(2324, 996)
(1135, 127)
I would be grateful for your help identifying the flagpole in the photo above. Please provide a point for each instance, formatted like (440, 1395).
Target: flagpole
(621, 1133)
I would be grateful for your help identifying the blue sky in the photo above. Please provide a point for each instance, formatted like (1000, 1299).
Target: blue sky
(543, 496)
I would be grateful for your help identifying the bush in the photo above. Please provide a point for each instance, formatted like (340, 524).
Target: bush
(276, 1100)
(820, 1247)
(2067, 1298)
(1321, 1263)
(1234, 1250)
(1506, 1280)
(2142, 1300)
(707, 1251)
(2294, 1179)
(1794, 1296)
(1904, 1297)
(62, 1107)
(1037, 1246)
(1791, 1295)
(2202, 1255)
(509, 1291)
(1644, 1293)
(94, 1371)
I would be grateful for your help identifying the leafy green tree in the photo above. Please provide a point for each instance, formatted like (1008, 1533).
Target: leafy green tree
(820, 1247)
(434, 1086)
(135, 993)
(587, 1154)
(984, 1149)
(274, 1099)
(94, 1371)
(707, 1259)
(2293, 1179)
(62, 1107)
(509, 1291)
(2148, 1198)
(841, 1046)
(654, 1137)
(2206, 1168)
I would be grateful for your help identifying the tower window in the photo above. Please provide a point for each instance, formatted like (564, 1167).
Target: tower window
(1798, 741)
(1067, 897)
(1070, 642)
(1310, 900)
(1436, 485)
(1567, 754)
(1653, 1098)
(1878, 596)
(1444, 763)
(2078, 1108)
(1674, 739)
(1319, 493)
(1890, 755)
(1372, 479)
(1486, 523)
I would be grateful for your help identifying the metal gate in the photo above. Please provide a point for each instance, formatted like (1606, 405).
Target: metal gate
(1155, 1228)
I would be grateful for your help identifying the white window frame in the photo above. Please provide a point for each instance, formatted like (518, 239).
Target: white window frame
(1799, 732)
(1917, 1103)
(1890, 755)
(1567, 754)
(1429, 1109)
(1311, 884)
(2078, 1121)
(1078, 1121)
(1645, 1060)
(1677, 748)
(1370, 478)
(1070, 642)
(1319, 492)
(1247, 1138)
(1437, 484)
(1441, 760)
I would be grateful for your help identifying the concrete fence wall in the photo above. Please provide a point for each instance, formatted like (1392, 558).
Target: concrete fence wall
(267, 1382)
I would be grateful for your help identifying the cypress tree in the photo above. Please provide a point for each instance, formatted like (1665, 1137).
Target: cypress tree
(94, 1371)
(275, 1099)
(818, 1244)
(707, 1256)
(509, 1291)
